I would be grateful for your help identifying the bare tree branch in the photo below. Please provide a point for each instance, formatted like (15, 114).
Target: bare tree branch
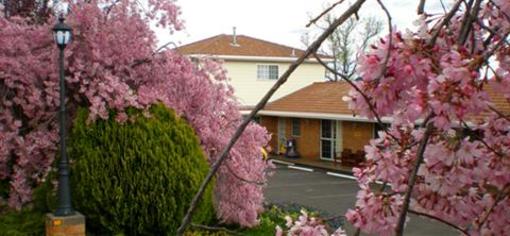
(390, 40)
(214, 168)
(314, 20)
(345, 44)
(469, 17)
(421, 7)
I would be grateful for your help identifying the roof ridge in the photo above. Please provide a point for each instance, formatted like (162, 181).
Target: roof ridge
(215, 37)
(266, 41)
(220, 44)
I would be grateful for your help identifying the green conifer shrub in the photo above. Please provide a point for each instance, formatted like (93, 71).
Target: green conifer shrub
(137, 177)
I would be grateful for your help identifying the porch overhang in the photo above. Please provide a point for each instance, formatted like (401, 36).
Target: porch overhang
(324, 116)
(332, 116)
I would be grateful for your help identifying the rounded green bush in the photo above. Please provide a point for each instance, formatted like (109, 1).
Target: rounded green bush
(137, 178)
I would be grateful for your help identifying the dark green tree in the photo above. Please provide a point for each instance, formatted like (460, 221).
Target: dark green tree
(137, 178)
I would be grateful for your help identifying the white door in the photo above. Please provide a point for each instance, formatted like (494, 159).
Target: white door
(328, 139)
(281, 133)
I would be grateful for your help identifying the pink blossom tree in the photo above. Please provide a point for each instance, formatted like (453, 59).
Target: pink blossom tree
(113, 64)
(446, 154)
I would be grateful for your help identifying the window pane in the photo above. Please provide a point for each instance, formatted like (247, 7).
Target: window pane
(326, 128)
(273, 72)
(326, 148)
(296, 127)
(267, 72)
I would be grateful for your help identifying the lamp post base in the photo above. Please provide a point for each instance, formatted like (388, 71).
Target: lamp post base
(72, 225)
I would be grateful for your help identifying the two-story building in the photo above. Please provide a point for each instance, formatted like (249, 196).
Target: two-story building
(253, 65)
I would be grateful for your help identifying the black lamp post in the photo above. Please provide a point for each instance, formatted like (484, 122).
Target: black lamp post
(62, 34)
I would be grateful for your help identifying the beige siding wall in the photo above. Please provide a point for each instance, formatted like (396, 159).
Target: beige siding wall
(250, 90)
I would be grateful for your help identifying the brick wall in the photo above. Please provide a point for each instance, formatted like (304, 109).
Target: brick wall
(356, 134)
(308, 143)
(271, 124)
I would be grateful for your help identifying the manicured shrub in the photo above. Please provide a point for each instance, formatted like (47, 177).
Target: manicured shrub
(137, 177)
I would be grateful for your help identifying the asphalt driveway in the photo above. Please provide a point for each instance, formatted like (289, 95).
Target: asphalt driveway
(333, 195)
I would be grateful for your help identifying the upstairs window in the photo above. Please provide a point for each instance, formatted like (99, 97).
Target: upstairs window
(267, 72)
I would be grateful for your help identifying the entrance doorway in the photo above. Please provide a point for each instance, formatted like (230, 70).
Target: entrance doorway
(328, 139)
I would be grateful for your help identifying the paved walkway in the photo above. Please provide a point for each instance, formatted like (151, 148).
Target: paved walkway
(333, 195)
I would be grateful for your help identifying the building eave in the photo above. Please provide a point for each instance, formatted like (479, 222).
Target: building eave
(259, 58)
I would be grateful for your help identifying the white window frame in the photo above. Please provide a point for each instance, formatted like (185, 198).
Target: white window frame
(264, 72)
(333, 139)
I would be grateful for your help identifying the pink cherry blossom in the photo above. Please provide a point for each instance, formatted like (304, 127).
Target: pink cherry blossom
(112, 65)
(464, 178)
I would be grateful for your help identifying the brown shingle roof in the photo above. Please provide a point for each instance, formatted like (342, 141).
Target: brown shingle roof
(246, 46)
(326, 97)
(320, 97)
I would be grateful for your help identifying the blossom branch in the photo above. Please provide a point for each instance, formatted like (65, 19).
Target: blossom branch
(463, 231)
(283, 78)
(501, 11)
(243, 179)
(501, 195)
(499, 113)
(412, 180)
(445, 21)
(485, 143)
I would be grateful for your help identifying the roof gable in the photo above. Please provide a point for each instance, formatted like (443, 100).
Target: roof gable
(246, 46)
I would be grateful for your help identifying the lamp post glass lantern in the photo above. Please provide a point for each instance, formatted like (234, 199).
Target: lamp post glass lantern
(62, 35)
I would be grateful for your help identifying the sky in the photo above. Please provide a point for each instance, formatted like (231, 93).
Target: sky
(279, 21)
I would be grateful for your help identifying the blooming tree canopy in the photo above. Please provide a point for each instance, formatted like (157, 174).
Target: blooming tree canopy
(113, 64)
(446, 154)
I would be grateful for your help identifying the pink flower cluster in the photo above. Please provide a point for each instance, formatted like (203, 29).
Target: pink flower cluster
(111, 65)
(464, 178)
(306, 226)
